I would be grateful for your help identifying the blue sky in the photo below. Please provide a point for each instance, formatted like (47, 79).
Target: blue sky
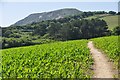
(59, 0)
(11, 12)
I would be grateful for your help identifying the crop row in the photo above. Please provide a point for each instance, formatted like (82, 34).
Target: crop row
(70, 59)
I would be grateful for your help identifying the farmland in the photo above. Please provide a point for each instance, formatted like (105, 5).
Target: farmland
(109, 45)
(57, 42)
(69, 59)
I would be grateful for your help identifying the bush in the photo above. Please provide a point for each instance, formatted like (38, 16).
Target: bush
(15, 42)
(116, 30)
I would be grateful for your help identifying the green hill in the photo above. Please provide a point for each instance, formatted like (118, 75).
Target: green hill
(67, 28)
(112, 20)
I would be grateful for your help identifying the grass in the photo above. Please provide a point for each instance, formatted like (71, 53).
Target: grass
(70, 59)
(112, 20)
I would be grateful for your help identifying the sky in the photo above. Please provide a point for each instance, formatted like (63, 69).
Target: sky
(59, 0)
(12, 11)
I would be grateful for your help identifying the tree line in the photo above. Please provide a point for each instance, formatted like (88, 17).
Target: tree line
(71, 30)
(68, 28)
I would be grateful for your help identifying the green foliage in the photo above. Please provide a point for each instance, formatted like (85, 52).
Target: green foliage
(15, 42)
(15, 35)
(77, 29)
(111, 20)
(116, 30)
(23, 41)
(68, 28)
(70, 59)
(110, 45)
(40, 29)
(112, 12)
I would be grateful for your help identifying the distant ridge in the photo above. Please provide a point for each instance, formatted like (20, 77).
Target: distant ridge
(56, 14)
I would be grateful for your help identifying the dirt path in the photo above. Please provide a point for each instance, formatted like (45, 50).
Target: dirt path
(102, 68)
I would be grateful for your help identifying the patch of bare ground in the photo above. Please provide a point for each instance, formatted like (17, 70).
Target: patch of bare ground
(103, 67)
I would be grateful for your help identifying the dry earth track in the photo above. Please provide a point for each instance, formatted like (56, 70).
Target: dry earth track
(102, 67)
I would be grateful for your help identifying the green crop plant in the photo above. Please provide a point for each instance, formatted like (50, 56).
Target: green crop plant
(70, 59)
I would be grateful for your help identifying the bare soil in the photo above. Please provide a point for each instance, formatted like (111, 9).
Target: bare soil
(102, 67)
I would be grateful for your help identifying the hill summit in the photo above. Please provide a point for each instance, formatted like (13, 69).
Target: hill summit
(56, 14)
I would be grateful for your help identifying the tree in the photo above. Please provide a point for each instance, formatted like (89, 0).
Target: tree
(64, 32)
(88, 14)
(116, 30)
(40, 30)
(53, 29)
(100, 12)
(118, 13)
(6, 33)
(112, 12)
(100, 28)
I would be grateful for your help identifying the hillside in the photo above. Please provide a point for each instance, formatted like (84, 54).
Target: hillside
(79, 26)
(57, 14)
(60, 46)
(111, 20)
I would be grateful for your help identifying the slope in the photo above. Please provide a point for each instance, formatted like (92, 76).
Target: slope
(112, 20)
(37, 17)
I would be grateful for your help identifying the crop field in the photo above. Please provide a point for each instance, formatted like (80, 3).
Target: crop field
(110, 46)
(69, 59)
